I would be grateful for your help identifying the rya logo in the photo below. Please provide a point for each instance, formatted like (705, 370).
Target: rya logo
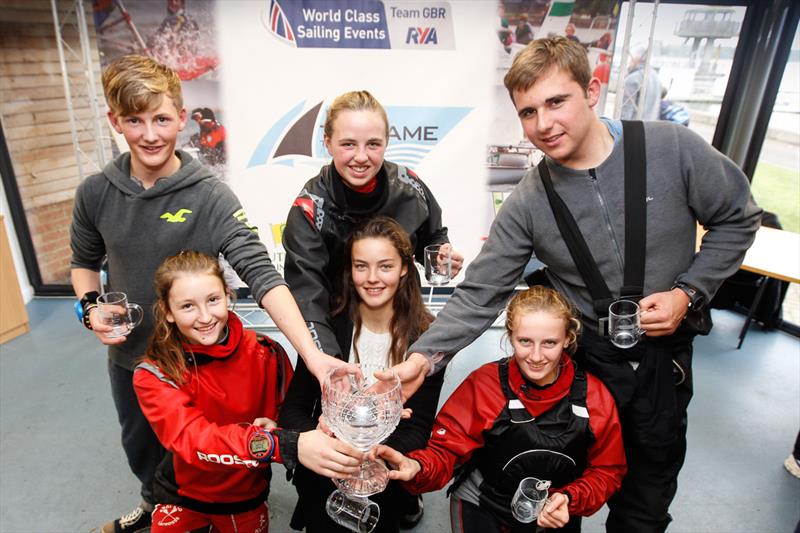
(422, 36)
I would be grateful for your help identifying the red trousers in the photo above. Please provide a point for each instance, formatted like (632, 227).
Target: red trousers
(176, 519)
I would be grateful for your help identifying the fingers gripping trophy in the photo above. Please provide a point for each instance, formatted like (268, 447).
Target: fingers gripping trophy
(362, 412)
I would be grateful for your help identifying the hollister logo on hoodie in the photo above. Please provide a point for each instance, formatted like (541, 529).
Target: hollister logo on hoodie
(177, 217)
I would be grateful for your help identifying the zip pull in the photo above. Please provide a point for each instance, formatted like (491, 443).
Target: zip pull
(593, 174)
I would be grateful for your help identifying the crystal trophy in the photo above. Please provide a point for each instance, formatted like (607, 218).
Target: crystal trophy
(361, 411)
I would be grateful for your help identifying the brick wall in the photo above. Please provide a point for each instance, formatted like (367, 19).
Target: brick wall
(49, 225)
(36, 125)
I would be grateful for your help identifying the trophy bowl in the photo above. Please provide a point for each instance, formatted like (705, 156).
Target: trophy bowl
(362, 412)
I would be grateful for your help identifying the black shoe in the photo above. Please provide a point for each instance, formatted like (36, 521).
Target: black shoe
(413, 515)
(137, 521)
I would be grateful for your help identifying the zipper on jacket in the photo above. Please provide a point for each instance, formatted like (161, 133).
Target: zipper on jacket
(607, 218)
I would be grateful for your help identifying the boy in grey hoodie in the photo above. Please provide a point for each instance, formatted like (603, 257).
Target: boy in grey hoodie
(145, 206)
(688, 182)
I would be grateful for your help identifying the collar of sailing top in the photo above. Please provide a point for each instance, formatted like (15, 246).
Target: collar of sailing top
(538, 399)
(351, 202)
(223, 350)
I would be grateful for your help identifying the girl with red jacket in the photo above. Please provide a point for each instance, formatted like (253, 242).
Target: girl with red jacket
(210, 390)
(532, 414)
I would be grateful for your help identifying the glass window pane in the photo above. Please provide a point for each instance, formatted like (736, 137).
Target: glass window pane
(693, 48)
(776, 182)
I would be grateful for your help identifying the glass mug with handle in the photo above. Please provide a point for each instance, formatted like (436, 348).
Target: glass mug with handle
(624, 329)
(438, 264)
(115, 311)
(529, 499)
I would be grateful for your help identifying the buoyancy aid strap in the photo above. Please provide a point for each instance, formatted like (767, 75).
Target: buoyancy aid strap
(635, 224)
(577, 393)
(502, 371)
(576, 244)
(635, 207)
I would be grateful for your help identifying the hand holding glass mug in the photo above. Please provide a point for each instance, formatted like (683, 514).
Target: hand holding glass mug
(529, 499)
(438, 264)
(115, 311)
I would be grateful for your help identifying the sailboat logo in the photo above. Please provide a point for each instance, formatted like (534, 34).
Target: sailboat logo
(414, 131)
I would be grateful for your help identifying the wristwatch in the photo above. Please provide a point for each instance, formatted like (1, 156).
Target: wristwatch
(84, 305)
(261, 445)
(696, 298)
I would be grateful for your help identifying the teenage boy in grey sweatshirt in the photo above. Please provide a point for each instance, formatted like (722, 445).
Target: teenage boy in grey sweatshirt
(687, 182)
(145, 206)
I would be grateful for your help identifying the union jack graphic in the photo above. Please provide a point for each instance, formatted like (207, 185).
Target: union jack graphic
(279, 25)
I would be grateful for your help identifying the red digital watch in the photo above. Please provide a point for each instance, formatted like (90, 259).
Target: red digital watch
(261, 445)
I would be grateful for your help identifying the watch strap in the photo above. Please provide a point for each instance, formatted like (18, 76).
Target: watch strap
(696, 298)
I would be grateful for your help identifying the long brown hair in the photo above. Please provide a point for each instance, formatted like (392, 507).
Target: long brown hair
(410, 317)
(539, 298)
(164, 347)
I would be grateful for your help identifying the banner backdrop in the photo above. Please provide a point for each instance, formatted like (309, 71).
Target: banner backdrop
(428, 63)
(274, 66)
(183, 38)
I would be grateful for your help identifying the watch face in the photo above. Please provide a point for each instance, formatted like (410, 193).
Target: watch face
(259, 445)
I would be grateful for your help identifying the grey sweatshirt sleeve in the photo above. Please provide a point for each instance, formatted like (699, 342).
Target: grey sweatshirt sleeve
(85, 241)
(488, 284)
(719, 195)
(239, 243)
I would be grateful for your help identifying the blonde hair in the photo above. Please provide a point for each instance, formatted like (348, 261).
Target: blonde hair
(538, 298)
(354, 101)
(134, 83)
(540, 56)
(165, 346)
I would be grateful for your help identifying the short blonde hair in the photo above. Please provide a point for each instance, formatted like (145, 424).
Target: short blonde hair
(354, 101)
(539, 298)
(134, 83)
(540, 56)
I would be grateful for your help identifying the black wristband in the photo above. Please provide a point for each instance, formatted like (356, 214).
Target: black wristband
(287, 444)
(90, 298)
(87, 323)
(696, 298)
(87, 303)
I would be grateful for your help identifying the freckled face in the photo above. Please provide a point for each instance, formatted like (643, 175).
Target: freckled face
(539, 339)
(198, 306)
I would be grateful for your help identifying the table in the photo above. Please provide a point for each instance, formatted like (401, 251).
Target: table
(774, 254)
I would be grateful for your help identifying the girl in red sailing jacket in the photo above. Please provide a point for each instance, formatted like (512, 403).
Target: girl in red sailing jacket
(211, 390)
(534, 414)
